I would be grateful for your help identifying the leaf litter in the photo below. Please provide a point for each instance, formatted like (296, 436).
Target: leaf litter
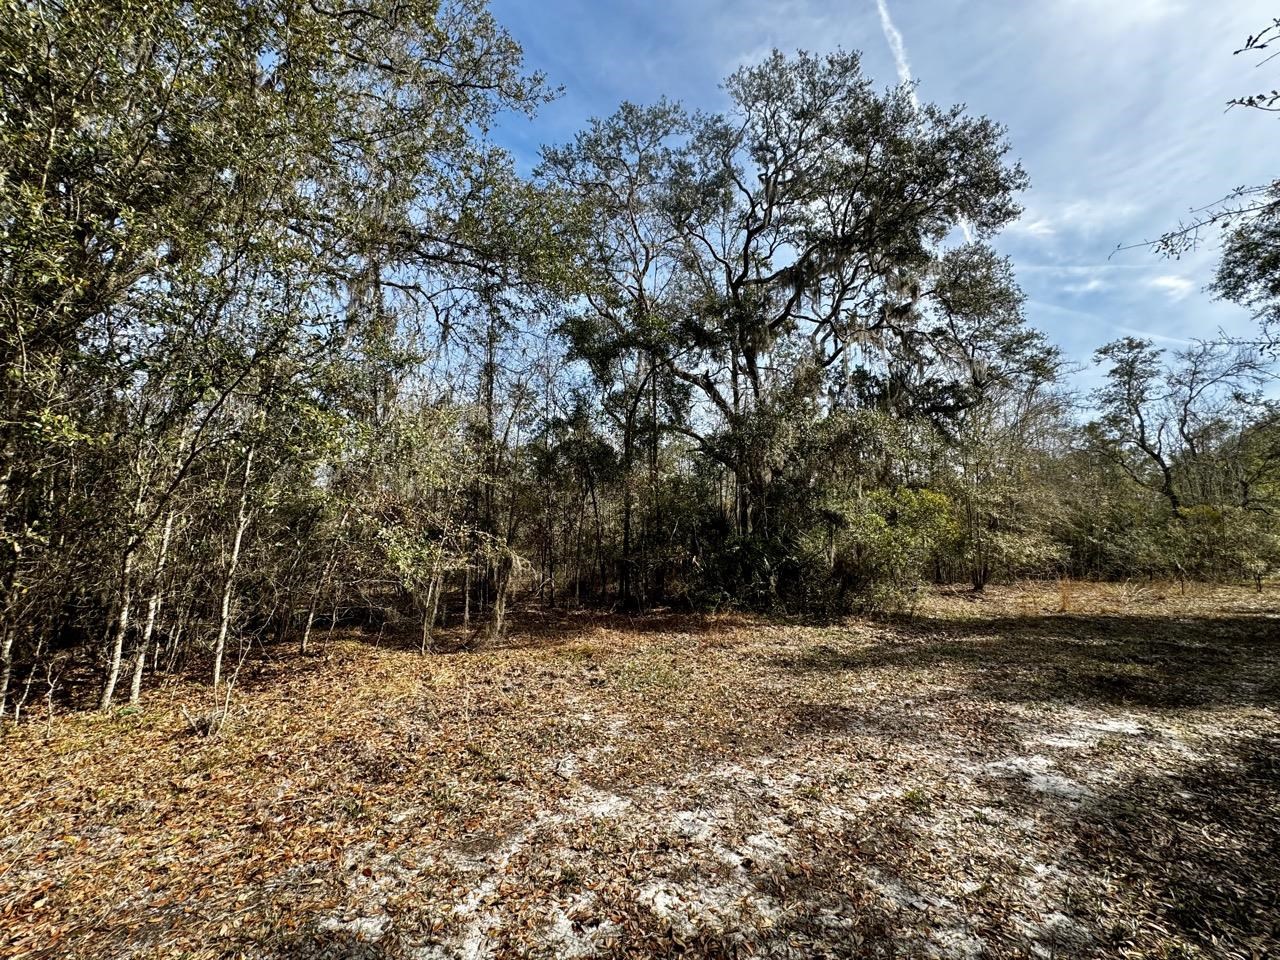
(993, 777)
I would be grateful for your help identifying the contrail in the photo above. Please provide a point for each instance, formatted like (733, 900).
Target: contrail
(893, 36)
(899, 49)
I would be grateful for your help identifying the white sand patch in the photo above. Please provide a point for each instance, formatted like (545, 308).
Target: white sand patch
(714, 908)
(941, 921)
(1115, 725)
(475, 942)
(732, 773)
(1021, 765)
(362, 928)
(371, 877)
(694, 824)
(574, 940)
(1036, 773)
(1059, 742)
(733, 822)
(1009, 821)
(1054, 935)
(616, 727)
(1045, 879)
(902, 895)
(958, 943)
(596, 803)
(666, 903)
(567, 767)
(1057, 786)
(765, 847)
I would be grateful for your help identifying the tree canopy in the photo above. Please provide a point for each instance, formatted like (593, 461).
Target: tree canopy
(289, 344)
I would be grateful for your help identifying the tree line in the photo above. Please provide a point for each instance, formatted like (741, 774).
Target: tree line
(289, 343)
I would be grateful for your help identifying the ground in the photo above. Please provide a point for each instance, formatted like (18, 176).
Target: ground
(1043, 771)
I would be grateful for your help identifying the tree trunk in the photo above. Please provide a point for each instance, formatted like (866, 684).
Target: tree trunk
(153, 607)
(242, 523)
(432, 606)
(600, 561)
(121, 630)
(325, 578)
(577, 562)
(175, 642)
(311, 619)
(502, 580)
(466, 596)
(6, 664)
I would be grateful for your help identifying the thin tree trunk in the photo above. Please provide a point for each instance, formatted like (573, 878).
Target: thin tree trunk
(121, 630)
(31, 676)
(600, 562)
(502, 578)
(242, 523)
(432, 608)
(577, 561)
(311, 619)
(6, 664)
(153, 607)
(624, 571)
(466, 597)
(175, 642)
(125, 602)
(325, 579)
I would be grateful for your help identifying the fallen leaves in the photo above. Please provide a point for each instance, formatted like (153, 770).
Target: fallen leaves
(978, 779)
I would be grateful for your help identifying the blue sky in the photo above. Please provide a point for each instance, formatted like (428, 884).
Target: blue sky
(1115, 107)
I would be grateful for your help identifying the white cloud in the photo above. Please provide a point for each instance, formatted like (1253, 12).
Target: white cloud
(1092, 285)
(1084, 270)
(1090, 215)
(898, 48)
(1041, 228)
(1157, 337)
(1075, 219)
(1174, 286)
(1109, 13)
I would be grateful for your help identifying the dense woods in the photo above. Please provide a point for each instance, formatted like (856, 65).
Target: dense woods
(288, 343)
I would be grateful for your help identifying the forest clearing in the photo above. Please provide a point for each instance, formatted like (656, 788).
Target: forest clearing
(484, 479)
(1047, 770)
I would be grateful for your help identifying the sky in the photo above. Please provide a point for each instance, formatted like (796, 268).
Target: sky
(1116, 109)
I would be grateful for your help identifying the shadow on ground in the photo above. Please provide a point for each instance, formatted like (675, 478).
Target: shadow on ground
(1141, 662)
(1197, 851)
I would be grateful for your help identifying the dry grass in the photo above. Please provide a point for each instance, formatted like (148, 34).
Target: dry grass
(1048, 770)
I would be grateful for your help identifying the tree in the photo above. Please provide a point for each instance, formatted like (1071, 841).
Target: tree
(1247, 218)
(623, 168)
(228, 232)
(1200, 435)
(758, 268)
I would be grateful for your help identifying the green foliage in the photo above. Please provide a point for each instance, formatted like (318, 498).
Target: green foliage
(882, 546)
(232, 238)
(287, 340)
(1249, 271)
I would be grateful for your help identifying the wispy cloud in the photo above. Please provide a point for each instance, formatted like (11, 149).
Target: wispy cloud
(898, 47)
(1157, 337)
(1040, 228)
(1174, 286)
(1092, 215)
(1108, 12)
(1046, 219)
(1092, 285)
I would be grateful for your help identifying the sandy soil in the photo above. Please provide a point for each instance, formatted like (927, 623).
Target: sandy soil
(1084, 771)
